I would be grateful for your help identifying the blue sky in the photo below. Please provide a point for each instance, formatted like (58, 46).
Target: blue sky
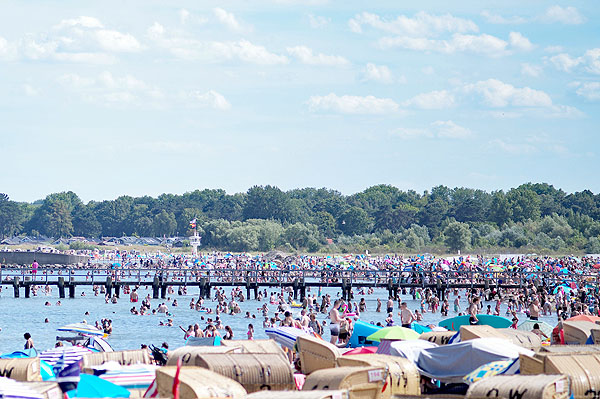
(111, 98)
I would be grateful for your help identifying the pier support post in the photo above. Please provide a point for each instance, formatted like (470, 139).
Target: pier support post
(295, 288)
(302, 285)
(16, 286)
(155, 288)
(390, 288)
(61, 287)
(202, 287)
(255, 291)
(71, 290)
(27, 290)
(207, 289)
(109, 286)
(118, 290)
(163, 291)
(248, 286)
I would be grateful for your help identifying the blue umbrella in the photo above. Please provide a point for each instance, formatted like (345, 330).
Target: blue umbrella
(91, 386)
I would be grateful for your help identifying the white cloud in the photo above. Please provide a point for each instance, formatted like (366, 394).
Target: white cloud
(194, 49)
(318, 21)
(107, 88)
(438, 129)
(211, 99)
(306, 56)
(227, 19)
(111, 40)
(590, 61)
(479, 44)
(499, 94)
(353, 104)
(531, 70)
(421, 25)
(82, 21)
(499, 19)
(519, 42)
(564, 15)
(428, 70)
(588, 90)
(449, 129)
(433, 100)
(378, 73)
(564, 62)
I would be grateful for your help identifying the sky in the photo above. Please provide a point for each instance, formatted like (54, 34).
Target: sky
(141, 98)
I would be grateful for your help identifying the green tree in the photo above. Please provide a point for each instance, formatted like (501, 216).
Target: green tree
(525, 204)
(500, 211)
(85, 223)
(164, 223)
(12, 216)
(59, 222)
(457, 236)
(354, 221)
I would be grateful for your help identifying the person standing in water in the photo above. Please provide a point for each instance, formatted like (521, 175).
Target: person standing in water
(28, 341)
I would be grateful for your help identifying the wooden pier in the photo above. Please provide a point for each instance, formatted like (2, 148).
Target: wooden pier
(114, 279)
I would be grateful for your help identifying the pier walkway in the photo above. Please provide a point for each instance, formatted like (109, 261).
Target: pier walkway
(67, 279)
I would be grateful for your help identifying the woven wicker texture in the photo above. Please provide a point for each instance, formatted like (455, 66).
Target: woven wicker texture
(521, 386)
(197, 382)
(403, 377)
(254, 371)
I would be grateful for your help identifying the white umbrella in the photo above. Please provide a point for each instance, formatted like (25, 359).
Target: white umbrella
(11, 389)
(81, 328)
(285, 336)
(72, 354)
(410, 349)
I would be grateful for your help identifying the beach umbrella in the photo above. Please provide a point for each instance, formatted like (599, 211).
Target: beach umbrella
(72, 354)
(585, 317)
(91, 386)
(596, 266)
(46, 371)
(410, 349)
(527, 325)
(11, 389)
(130, 377)
(285, 336)
(81, 328)
(394, 333)
(488, 370)
(363, 350)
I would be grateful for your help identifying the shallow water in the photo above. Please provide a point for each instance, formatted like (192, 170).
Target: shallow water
(20, 315)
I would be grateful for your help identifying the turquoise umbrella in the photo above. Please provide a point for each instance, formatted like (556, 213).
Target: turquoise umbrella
(46, 371)
(91, 386)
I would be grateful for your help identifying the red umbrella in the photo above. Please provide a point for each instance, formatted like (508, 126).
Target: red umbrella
(584, 317)
(362, 350)
(596, 266)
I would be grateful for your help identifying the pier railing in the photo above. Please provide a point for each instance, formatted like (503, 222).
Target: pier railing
(279, 277)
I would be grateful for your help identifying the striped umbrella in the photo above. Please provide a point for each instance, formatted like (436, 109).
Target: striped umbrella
(72, 354)
(11, 389)
(285, 336)
(134, 376)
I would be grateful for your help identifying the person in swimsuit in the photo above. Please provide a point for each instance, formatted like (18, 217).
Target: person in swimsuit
(334, 324)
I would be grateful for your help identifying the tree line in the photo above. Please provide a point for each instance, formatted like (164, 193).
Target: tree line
(380, 218)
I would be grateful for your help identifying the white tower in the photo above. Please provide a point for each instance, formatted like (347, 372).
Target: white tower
(195, 242)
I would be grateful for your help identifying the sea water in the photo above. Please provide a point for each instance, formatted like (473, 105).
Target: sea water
(20, 315)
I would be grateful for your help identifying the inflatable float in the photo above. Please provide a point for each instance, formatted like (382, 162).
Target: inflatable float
(454, 323)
